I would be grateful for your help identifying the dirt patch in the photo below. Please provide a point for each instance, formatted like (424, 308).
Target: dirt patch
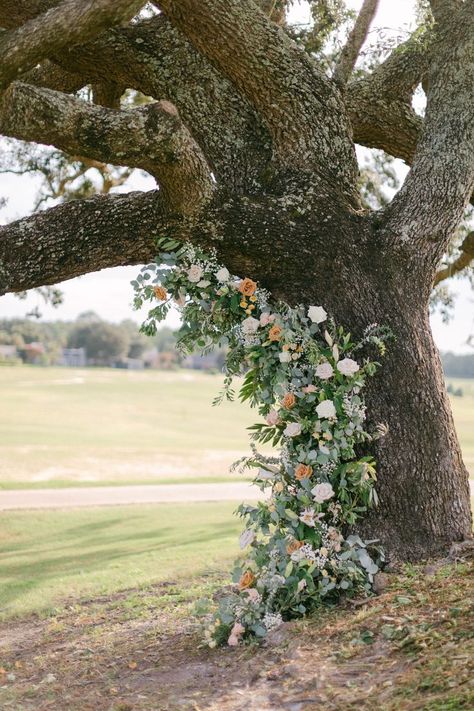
(409, 648)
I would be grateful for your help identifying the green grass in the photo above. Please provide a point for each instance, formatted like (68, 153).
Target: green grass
(62, 427)
(463, 413)
(49, 557)
(103, 425)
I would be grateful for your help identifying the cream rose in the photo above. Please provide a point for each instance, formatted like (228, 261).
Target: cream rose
(322, 492)
(223, 275)
(250, 325)
(347, 366)
(324, 371)
(293, 429)
(317, 314)
(284, 357)
(195, 273)
(326, 409)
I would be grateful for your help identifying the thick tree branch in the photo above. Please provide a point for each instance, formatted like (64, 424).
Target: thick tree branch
(51, 76)
(303, 110)
(430, 204)
(356, 39)
(155, 58)
(463, 261)
(151, 137)
(443, 9)
(73, 21)
(79, 237)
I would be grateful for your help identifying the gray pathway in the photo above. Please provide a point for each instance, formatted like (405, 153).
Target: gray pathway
(116, 495)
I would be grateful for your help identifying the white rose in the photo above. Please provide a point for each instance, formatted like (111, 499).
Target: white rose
(293, 429)
(347, 366)
(246, 538)
(317, 314)
(195, 273)
(284, 356)
(326, 409)
(324, 371)
(250, 325)
(322, 492)
(223, 275)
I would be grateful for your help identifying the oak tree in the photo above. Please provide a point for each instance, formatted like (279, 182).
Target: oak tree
(251, 139)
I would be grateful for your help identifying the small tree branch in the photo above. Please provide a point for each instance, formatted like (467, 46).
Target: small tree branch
(463, 261)
(356, 39)
(152, 138)
(73, 21)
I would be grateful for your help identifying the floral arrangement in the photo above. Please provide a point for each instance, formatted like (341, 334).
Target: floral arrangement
(300, 370)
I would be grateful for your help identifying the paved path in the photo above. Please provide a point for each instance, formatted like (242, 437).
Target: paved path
(116, 495)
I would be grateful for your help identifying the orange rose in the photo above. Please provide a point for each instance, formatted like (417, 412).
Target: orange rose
(247, 580)
(288, 401)
(303, 471)
(247, 287)
(293, 546)
(160, 292)
(274, 333)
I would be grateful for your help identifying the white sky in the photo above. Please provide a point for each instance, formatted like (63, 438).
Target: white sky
(109, 292)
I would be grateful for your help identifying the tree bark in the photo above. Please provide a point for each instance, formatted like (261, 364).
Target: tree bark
(423, 484)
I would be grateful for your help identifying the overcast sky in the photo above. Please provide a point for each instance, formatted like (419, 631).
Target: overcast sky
(109, 292)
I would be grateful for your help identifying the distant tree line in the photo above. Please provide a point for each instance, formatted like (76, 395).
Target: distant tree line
(108, 343)
(458, 366)
(104, 343)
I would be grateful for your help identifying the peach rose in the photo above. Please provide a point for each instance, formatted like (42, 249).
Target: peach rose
(160, 292)
(303, 471)
(288, 401)
(247, 580)
(274, 333)
(247, 287)
(293, 546)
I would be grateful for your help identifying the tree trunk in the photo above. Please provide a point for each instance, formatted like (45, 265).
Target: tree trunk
(423, 484)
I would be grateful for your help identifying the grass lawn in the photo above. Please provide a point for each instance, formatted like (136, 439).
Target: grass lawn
(50, 557)
(104, 426)
(62, 427)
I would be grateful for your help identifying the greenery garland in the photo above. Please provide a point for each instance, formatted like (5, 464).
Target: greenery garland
(299, 370)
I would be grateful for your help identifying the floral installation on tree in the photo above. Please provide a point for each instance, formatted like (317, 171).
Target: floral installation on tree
(299, 370)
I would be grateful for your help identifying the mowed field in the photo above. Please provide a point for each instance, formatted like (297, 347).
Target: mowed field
(61, 427)
(104, 426)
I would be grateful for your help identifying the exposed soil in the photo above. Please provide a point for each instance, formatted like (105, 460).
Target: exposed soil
(409, 648)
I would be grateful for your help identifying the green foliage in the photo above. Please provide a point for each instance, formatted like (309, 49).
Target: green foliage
(298, 372)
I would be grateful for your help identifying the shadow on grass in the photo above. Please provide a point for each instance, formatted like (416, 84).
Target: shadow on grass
(23, 575)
